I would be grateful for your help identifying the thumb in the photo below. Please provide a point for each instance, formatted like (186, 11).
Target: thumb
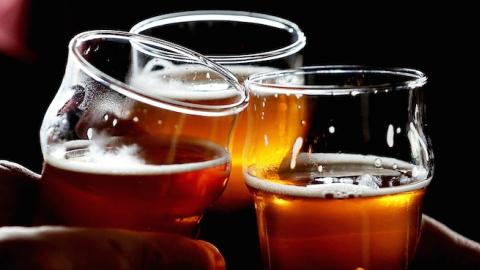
(59, 248)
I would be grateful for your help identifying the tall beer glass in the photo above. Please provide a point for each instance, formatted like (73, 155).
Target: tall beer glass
(245, 43)
(119, 153)
(346, 191)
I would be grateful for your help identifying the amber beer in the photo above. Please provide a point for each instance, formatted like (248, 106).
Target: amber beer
(145, 184)
(345, 214)
(236, 196)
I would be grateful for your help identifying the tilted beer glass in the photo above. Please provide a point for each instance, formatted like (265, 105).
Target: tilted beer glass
(119, 153)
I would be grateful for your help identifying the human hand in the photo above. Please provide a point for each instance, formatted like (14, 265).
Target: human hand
(442, 248)
(439, 246)
(58, 248)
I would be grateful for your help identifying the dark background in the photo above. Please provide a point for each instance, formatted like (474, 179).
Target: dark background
(432, 38)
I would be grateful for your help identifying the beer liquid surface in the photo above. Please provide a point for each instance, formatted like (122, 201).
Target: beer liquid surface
(147, 185)
(338, 211)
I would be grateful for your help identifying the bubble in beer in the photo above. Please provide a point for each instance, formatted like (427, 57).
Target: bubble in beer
(320, 168)
(105, 117)
(369, 181)
(303, 122)
(394, 166)
(378, 162)
(135, 119)
(354, 93)
(331, 129)
(114, 122)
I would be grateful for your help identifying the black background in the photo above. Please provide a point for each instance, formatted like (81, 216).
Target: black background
(433, 38)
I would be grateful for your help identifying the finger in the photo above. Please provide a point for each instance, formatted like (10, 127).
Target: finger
(442, 248)
(58, 248)
(18, 194)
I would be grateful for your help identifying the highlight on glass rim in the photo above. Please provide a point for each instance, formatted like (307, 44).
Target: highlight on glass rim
(232, 136)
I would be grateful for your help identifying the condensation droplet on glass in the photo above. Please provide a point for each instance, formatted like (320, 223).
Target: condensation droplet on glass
(263, 115)
(378, 162)
(297, 145)
(375, 91)
(105, 117)
(399, 130)
(89, 133)
(159, 122)
(298, 96)
(303, 122)
(135, 119)
(263, 104)
(114, 122)
(415, 118)
(265, 139)
(276, 95)
(390, 135)
(331, 129)
(299, 107)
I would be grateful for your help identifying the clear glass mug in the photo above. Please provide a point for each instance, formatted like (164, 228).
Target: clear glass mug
(243, 42)
(116, 151)
(346, 192)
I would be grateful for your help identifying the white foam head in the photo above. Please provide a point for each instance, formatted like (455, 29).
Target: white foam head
(126, 160)
(342, 189)
(166, 82)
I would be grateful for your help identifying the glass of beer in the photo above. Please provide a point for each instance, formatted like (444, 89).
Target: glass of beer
(120, 153)
(245, 43)
(346, 191)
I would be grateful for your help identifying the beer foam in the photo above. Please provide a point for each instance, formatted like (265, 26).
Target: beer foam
(167, 82)
(342, 187)
(123, 161)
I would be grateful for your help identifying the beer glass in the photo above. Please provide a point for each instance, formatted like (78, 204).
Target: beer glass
(245, 43)
(119, 153)
(346, 191)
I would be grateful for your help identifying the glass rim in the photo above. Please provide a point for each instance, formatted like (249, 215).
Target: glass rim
(234, 16)
(415, 79)
(183, 54)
